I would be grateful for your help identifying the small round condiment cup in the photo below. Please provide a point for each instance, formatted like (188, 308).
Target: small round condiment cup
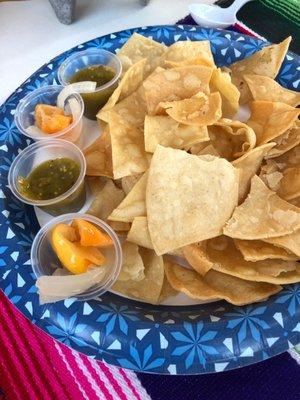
(44, 260)
(94, 100)
(32, 156)
(24, 115)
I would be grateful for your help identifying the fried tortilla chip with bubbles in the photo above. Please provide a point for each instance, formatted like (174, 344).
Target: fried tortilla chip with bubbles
(217, 286)
(164, 130)
(175, 84)
(262, 215)
(98, 157)
(266, 61)
(149, 288)
(226, 258)
(190, 53)
(134, 204)
(270, 120)
(267, 89)
(257, 250)
(290, 243)
(200, 110)
(139, 233)
(138, 47)
(179, 196)
(132, 263)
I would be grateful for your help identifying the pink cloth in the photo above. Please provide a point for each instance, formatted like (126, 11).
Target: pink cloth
(33, 366)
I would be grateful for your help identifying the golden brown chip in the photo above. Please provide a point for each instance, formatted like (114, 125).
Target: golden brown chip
(128, 150)
(139, 233)
(221, 82)
(239, 291)
(262, 215)
(188, 61)
(228, 259)
(256, 250)
(132, 109)
(105, 201)
(163, 130)
(166, 291)
(96, 184)
(290, 242)
(266, 61)
(128, 182)
(98, 157)
(248, 165)
(129, 83)
(270, 120)
(138, 47)
(265, 88)
(149, 288)
(286, 141)
(200, 110)
(196, 256)
(216, 285)
(175, 84)
(134, 204)
(187, 51)
(181, 197)
(231, 139)
(132, 263)
(189, 282)
(207, 150)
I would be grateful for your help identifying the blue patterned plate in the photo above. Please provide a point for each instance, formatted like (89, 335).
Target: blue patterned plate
(171, 340)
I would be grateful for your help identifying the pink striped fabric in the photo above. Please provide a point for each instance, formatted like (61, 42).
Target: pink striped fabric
(33, 366)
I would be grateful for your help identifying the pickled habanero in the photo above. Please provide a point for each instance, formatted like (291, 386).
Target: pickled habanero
(94, 101)
(50, 179)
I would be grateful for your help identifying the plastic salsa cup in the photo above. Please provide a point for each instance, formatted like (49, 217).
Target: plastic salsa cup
(93, 101)
(24, 115)
(44, 260)
(34, 155)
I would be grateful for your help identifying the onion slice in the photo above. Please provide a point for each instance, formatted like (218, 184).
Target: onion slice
(59, 287)
(74, 108)
(77, 87)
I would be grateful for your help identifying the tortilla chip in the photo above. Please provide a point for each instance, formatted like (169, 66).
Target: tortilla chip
(221, 82)
(166, 291)
(175, 84)
(228, 259)
(98, 157)
(239, 291)
(189, 282)
(186, 51)
(149, 288)
(290, 242)
(132, 109)
(138, 47)
(196, 256)
(179, 197)
(167, 132)
(128, 151)
(282, 174)
(134, 204)
(132, 265)
(216, 285)
(96, 184)
(200, 110)
(286, 141)
(266, 61)
(270, 120)
(295, 201)
(207, 150)
(129, 83)
(139, 233)
(256, 250)
(189, 61)
(262, 215)
(265, 88)
(231, 139)
(128, 182)
(105, 202)
(248, 165)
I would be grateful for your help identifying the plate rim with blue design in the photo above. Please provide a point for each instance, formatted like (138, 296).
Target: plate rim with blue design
(156, 339)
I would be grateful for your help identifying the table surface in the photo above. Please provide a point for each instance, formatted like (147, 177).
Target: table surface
(30, 34)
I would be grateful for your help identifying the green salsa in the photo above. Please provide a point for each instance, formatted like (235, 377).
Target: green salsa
(94, 101)
(51, 179)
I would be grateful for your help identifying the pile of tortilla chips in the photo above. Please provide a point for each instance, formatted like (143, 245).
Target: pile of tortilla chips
(184, 183)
